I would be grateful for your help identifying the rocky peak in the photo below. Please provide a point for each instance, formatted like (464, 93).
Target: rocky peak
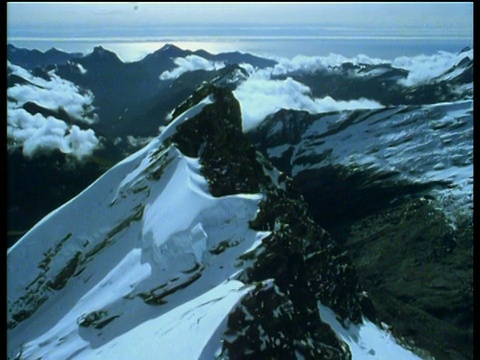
(231, 76)
(101, 56)
(465, 49)
(297, 266)
(216, 137)
(167, 51)
(249, 237)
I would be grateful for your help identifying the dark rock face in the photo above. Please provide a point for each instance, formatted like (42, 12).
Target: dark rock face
(215, 136)
(416, 267)
(427, 295)
(298, 266)
(268, 325)
(339, 197)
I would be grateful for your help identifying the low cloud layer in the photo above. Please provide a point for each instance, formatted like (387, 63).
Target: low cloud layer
(423, 68)
(39, 134)
(310, 64)
(260, 96)
(190, 63)
(53, 94)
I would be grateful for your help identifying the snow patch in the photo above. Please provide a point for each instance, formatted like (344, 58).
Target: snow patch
(83, 71)
(366, 341)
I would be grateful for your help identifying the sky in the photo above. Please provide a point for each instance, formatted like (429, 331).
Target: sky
(30, 19)
(134, 29)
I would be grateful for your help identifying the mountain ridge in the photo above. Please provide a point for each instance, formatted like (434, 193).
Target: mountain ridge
(393, 185)
(72, 266)
(389, 203)
(31, 59)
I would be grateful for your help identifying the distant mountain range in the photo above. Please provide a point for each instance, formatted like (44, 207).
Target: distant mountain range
(32, 59)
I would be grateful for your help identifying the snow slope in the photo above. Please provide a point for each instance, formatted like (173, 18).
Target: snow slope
(428, 145)
(143, 263)
(163, 243)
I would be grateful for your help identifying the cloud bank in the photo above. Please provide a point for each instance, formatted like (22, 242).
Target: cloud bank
(39, 134)
(311, 64)
(53, 94)
(423, 68)
(190, 63)
(260, 96)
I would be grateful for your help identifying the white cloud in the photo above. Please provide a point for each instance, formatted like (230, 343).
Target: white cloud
(37, 134)
(190, 63)
(81, 143)
(423, 68)
(18, 70)
(260, 96)
(53, 94)
(310, 64)
(327, 104)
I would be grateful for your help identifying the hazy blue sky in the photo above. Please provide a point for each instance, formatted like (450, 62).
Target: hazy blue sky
(455, 19)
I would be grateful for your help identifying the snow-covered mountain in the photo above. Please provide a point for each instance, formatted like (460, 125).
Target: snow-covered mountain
(197, 239)
(98, 109)
(193, 247)
(376, 154)
(86, 114)
(396, 186)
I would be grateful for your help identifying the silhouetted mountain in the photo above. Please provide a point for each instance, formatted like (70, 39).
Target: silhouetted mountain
(237, 57)
(31, 59)
(126, 91)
